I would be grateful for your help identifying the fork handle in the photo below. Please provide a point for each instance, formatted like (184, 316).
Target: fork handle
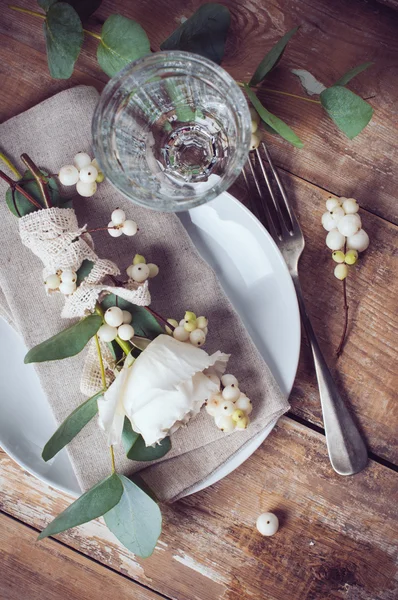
(346, 448)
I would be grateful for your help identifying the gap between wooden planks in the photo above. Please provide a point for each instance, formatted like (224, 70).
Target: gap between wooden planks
(337, 537)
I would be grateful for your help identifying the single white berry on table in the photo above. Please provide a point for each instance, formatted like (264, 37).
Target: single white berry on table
(243, 423)
(139, 259)
(68, 175)
(244, 403)
(338, 256)
(140, 273)
(125, 332)
(226, 424)
(341, 271)
(127, 317)
(81, 159)
(201, 322)
(129, 227)
(113, 316)
(335, 240)
(238, 414)
(118, 216)
(332, 203)
(327, 221)
(228, 379)
(67, 288)
(107, 333)
(172, 322)
(359, 241)
(190, 326)
(68, 276)
(227, 408)
(113, 230)
(349, 225)
(86, 189)
(231, 392)
(351, 257)
(213, 404)
(153, 270)
(350, 206)
(180, 334)
(254, 115)
(197, 337)
(52, 282)
(215, 380)
(254, 141)
(88, 174)
(267, 524)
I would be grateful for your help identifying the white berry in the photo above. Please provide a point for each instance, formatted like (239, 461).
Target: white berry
(86, 189)
(201, 322)
(349, 224)
(231, 392)
(153, 270)
(81, 159)
(113, 232)
(88, 174)
(327, 221)
(68, 175)
(139, 259)
(114, 316)
(52, 282)
(129, 227)
(254, 141)
(335, 240)
(254, 126)
(139, 273)
(267, 524)
(118, 216)
(197, 337)
(180, 334)
(332, 203)
(125, 332)
(106, 333)
(127, 317)
(350, 206)
(337, 213)
(182, 323)
(341, 271)
(228, 379)
(244, 403)
(226, 424)
(242, 423)
(68, 276)
(172, 322)
(213, 404)
(227, 408)
(67, 288)
(359, 241)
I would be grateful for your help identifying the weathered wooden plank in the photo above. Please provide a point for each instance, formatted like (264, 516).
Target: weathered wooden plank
(51, 571)
(337, 537)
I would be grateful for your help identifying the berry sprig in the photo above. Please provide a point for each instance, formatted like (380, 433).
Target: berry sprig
(119, 224)
(62, 281)
(85, 173)
(139, 271)
(117, 324)
(229, 406)
(191, 329)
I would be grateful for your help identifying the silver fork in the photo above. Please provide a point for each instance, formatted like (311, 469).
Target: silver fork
(346, 448)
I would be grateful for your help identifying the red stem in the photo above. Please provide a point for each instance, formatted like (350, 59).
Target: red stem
(15, 186)
(159, 317)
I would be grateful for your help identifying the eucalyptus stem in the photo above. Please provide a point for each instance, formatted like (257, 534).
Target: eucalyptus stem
(10, 165)
(284, 94)
(112, 459)
(15, 186)
(34, 13)
(93, 34)
(124, 345)
(101, 362)
(39, 177)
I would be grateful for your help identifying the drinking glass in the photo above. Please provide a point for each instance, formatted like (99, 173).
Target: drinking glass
(171, 131)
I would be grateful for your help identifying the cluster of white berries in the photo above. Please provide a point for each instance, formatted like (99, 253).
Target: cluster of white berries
(139, 271)
(344, 228)
(191, 329)
(230, 407)
(62, 281)
(84, 173)
(119, 224)
(117, 324)
(255, 139)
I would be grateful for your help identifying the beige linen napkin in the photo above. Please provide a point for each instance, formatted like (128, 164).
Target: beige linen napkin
(51, 133)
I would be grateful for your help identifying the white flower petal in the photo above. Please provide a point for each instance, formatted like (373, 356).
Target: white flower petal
(110, 408)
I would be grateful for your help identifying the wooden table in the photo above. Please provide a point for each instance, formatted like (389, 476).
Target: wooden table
(338, 536)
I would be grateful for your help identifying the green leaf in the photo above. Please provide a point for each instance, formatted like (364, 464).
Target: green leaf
(122, 41)
(20, 206)
(204, 33)
(271, 59)
(274, 122)
(84, 8)
(71, 427)
(45, 4)
(84, 270)
(350, 113)
(353, 73)
(93, 504)
(145, 325)
(66, 343)
(136, 520)
(63, 32)
(136, 449)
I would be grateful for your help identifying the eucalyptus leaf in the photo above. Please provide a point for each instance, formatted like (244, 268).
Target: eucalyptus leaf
(350, 113)
(136, 449)
(145, 325)
(122, 41)
(271, 59)
(20, 206)
(93, 504)
(84, 270)
(274, 122)
(45, 4)
(136, 520)
(204, 33)
(353, 73)
(71, 427)
(63, 32)
(66, 343)
(84, 8)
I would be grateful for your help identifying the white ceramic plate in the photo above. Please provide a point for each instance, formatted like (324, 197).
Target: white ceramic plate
(255, 278)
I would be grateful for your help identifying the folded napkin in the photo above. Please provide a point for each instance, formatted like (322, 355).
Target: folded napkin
(51, 133)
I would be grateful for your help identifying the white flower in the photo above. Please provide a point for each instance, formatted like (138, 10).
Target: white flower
(163, 388)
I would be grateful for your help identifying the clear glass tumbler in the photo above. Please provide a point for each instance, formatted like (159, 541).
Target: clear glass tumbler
(171, 131)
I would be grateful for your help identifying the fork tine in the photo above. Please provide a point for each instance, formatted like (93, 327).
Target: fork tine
(269, 222)
(279, 214)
